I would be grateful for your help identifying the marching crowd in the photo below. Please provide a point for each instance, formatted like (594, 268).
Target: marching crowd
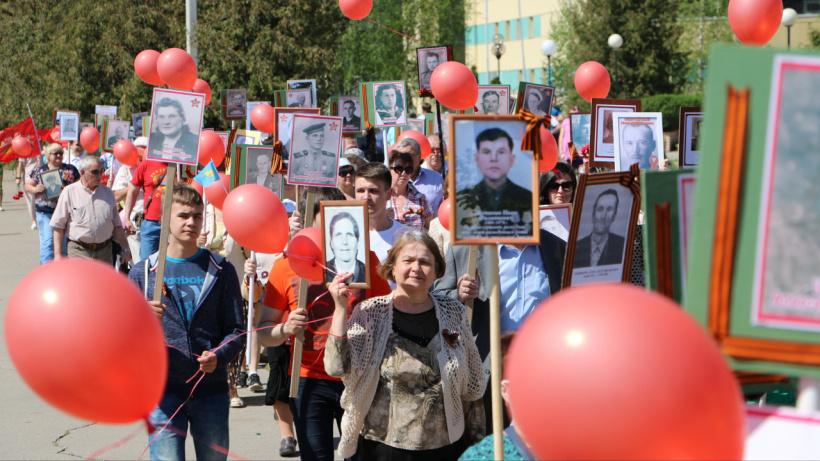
(399, 368)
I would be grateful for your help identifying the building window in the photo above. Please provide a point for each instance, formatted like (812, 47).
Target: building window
(532, 75)
(533, 33)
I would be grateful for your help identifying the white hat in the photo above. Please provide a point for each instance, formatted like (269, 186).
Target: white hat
(344, 162)
(142, 141)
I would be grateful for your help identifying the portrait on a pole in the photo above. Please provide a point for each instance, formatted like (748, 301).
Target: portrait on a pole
(428, 59)
(69, 123)
(283, 125)
(315, 143)
(346, 241)
(113, 131)
(234, 103)
(257, 163)
(136, 122)
(602, 137)
(349, 108)
(638, 139)
(176, 121)
(390, 104)
(493, 100)
(535, 98)
(301, 93)
(689, 130)
(579, 125)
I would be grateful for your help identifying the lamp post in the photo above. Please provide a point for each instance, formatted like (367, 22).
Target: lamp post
(614, 41)
(498, 50)
(548, 48)
(788, 19)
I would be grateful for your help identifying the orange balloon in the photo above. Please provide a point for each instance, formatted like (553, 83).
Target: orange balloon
(755, 22)
(216, 192)
(90, 139)
(419, 137)
(356, 9)
(592, 80)
(145, 65)
(454, 85)
(615, 371)
(262, 117)
(177, 69)
(305, 254)
(112, 362)
(549, 150)
(201, 86)
(255, 217)
(126, 152)
(211, 147)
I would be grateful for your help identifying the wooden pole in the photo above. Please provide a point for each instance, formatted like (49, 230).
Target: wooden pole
(251, 344)
(299, 341)
(167, 199)
(472, 261)
(495, 355)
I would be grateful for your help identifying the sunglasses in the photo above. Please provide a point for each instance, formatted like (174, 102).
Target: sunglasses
(402, 169)
(567, 185)
(95, 172)
(346, 170)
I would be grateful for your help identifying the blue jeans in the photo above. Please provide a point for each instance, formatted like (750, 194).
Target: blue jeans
(47, 237)
(315, 408)
(149, 238)
(208, 417)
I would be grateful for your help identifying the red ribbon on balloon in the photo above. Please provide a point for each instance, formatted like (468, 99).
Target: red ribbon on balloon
(532, 138)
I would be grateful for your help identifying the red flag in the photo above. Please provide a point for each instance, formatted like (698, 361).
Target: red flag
(25, 128)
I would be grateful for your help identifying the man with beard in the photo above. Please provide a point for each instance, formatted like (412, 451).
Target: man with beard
(344, 241)
(172, 140)
(601, 247)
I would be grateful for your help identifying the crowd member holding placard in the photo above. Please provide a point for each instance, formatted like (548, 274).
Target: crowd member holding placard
(150, 177)
(557, 185)
(202, 333)
(408, 361)
(409, 206)
(43, 205)
(373, 183)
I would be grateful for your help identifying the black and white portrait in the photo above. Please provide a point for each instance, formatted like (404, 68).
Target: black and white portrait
(345, 237)
(115, 130)
(689, 146)
(53, 183)
(349, 109)
(535, 98)
(603, 133)
(315, 144)
(555, 219)
(69, 123)
(176, 120)
(493, 100)
(579, 125)
(638, 139)
(389, 101)
(495, 182)
(428, 60)
(257, 169)
(234, 104)
(136, 122)
(301, 93)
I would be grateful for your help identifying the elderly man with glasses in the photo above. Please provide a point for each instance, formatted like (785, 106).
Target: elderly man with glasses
(87, 213)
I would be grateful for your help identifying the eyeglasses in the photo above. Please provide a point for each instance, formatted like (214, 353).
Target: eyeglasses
(402, 169)
(567, 185)
(346, 170)
(94, 172)
(435, 151)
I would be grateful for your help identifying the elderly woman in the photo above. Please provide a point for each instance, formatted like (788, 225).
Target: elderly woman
(557, 185)
(409, 206)
(408, 360)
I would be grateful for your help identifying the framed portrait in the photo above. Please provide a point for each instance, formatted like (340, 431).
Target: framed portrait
(602, 145)
(350, 109)
(604, 217)
(248, 123)
(555, 219)
(346, 240)
(176, 120)
(113, 131)
(69, 123)
(689, 125)
(535, 98)
(428, 58)
(136, 122)
(579, 129)
(255, 164)
(315, 141)
(52, 180)
(493, 100)
(494, 182)
(301, 93)
(249, 137)
(390, 104)
(234, 104)
(638, 139)
(283, 125)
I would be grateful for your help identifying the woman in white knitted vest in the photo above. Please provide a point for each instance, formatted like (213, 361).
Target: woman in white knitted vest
(408, 361)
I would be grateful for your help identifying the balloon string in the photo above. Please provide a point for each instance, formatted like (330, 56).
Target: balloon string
(156, 434)
(312, 260)
(114, 445)
(390, 29)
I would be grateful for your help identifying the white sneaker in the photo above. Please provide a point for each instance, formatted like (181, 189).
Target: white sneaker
(1, 208)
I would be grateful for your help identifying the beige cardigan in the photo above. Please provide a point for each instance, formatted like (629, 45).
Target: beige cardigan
(462, 375)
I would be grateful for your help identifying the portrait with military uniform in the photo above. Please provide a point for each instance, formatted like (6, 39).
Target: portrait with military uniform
(315, 144)
(428, 58)
(495, 182)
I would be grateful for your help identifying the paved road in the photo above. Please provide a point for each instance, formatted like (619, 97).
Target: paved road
(31, 429)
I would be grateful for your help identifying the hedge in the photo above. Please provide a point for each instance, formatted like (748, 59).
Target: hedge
(669, 105)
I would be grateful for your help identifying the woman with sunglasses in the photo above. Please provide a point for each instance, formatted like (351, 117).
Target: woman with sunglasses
(408, 204)
(558, 185)
(346, 181)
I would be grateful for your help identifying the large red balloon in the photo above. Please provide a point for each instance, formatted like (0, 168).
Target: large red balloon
(201, 86)
(419, 137)
(126, 152)
(216, 192)
(454, 85)
(305, 254)
(755, 22)
(145, 65)
(262, 117)
(255, 217)
(90, 139)
(549, 150)
(356, 9)
(110, 364)
(211, 147)
(592, 80)
(177, 69)
(21, 146)
(444, 214)
(196, 185)
(618, 372)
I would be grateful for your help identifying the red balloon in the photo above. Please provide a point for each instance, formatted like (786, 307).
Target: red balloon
(755, 22)
(112, 362)
(638, 376)
(21, 146)
(419, 137)
(444, 214)
(454, 85)
(126, 152)
(201, 86)
(211, 147)
(55, 134)
(255, 217)
(196, 185)
(592, 80)
(216, 192)
(177, 69)
(356, 9)
(145, 65)
(262, 117)
(90, 139)
(305, 254)
(549, 150)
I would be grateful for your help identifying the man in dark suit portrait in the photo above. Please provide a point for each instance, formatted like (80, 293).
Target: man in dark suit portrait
(261, 174)
(349, 118)
(172, 139)
(601, 247)
(344, 241)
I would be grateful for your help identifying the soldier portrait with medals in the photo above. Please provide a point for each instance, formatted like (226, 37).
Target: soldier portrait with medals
(315, 144)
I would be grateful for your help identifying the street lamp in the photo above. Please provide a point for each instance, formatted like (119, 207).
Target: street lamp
(548, 48)
(614, 41)
(788, 19)
(498, 50)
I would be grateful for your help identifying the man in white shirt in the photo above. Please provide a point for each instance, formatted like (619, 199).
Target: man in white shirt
(120, 187)
(373, 184)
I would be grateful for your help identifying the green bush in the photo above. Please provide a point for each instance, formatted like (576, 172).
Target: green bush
(669, 105)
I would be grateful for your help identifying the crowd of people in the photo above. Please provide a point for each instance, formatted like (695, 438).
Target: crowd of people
(398, 368)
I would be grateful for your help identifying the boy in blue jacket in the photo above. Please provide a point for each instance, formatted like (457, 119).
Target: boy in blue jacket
(201, 314)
